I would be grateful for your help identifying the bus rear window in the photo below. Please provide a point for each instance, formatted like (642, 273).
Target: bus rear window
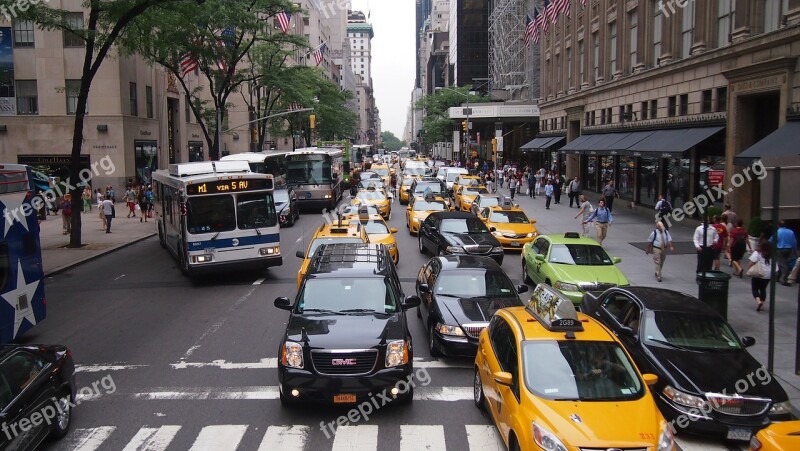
(209, 214)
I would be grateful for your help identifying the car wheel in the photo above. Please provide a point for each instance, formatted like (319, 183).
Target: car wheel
(513, 445)
(525, 277)
(63, 415)
(477, 391)
(162, 240)
(184, 261)
(431, 340)
(421, 246)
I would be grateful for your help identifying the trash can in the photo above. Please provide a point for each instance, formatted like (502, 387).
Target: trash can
(714, 290)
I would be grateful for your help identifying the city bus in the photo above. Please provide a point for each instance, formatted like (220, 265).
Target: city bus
(315, 173)
(217, 216)
(268, 162)
(21, 270)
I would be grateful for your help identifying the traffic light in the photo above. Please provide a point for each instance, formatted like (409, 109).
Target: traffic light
(312, 121)
(465, 125)
(494, 146)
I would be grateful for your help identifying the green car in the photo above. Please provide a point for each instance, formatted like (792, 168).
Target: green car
(571, 263)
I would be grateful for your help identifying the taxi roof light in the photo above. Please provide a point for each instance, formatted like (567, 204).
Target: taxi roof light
(554, 311)
(572, 235)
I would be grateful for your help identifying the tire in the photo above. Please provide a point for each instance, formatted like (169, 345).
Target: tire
(513, 444)
(431, 347)
(525, 277)
(60, 426)
(422, 249)
(184, 259)
(162, 240)
(477, 391)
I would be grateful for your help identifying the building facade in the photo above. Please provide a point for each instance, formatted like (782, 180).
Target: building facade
(360, 34)
(468, 42)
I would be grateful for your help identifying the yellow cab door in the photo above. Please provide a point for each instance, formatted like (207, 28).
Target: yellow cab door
(504, 349)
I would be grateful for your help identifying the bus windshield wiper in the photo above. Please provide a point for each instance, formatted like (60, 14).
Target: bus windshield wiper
(215, 236)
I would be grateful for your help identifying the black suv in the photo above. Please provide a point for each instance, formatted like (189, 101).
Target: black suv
(347, 337)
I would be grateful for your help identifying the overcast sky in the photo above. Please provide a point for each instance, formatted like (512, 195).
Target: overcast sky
(393, 66)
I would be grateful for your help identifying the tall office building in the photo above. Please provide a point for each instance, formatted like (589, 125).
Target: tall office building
(469, 42)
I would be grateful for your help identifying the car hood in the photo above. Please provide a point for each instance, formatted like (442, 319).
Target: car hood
(715, 371)
(474, 310)
(469, 239)
(589, 274)
(280, 206)
(513, 228)
(354, 331)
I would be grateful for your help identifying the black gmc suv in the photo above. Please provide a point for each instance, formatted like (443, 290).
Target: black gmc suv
(347, 338)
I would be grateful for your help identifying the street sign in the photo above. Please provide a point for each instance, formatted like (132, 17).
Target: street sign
(716, 177)
(467, 111)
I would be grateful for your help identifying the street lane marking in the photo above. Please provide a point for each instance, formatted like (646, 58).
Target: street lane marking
(269, 392)
(484, 437)
(420, 362)
(90, 439)
(267, 363)
(284, 438)
(414, 438)
(152, 439)
(443, 394)
(356, 438)
(259, 281)
(219, 438)
(105, 368)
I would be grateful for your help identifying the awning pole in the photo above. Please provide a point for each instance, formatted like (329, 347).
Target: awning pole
(776, 193)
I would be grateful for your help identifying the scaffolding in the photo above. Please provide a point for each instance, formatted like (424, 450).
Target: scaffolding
(512, 67)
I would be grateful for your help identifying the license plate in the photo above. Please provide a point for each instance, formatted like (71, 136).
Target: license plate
(739, 434)
(515, 244)
(209, 250)
(347, 398)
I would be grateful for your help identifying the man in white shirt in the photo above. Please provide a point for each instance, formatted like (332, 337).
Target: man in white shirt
(658, 242)
(108, 211)
(705, 255)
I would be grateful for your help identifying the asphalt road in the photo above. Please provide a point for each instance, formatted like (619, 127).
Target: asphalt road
(167, 362)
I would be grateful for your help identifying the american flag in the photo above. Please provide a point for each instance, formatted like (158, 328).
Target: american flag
(542, 21)
(551, 11)
(535, 25)
(319, 54)
(530, 25)
(188, 63)
(284, 17)
(295, 106)
(562, 7)
(226, 40)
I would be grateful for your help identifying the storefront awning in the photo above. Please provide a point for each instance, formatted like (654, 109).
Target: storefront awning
(580, 143)
(670, 142)
(543, 143)
(780, 143)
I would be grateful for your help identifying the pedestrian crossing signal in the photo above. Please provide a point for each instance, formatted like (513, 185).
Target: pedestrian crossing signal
(312, 121)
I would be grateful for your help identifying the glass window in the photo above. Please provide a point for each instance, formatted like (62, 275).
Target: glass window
(707, 101)
(330, 240)
(612, 49)
(689, 330)
(148, 98)
(339, 295)
(209, 214)
(74, 21)
(421, 205)
(504, 346)
(626, 177)
(27, 97)
(255, 210)
(725, 21)
(579, 254)
(569, 67)
(653, 109)
(644, 110)
(23, 33)
(579, 371)
(684, 105)
(374, 227)
(20, 370)
(773, 13)
(633, 20)
(687, 29)
(476, 283)
(509, 217)
(581, 63)
(309, 171)
(466, 225)
(672, 105)
(657, 32)
(722, 98)
(133, 99)
(72, 89)
(473, 190)
(596, 56)
(590, 177)
(649, 170)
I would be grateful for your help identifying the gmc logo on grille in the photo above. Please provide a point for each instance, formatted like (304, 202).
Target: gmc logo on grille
(729, 402)
(343, 362)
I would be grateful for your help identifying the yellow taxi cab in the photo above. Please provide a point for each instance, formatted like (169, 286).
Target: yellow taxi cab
(419, 209)
(465, 180)
(555, 379)
(509, 224)
(376, 197)
(378, 232)
(778, 436)
(465, 194)
(337, 232)
(405, 185)
(384, 171)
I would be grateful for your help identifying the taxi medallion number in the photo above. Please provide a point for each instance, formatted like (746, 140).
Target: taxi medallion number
(738, 434)
(515, 244)
(344, 398)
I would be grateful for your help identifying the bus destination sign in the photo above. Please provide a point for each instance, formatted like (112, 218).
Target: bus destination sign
(228, 186)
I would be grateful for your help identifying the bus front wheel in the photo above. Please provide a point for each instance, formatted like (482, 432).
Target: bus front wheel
(161, 239)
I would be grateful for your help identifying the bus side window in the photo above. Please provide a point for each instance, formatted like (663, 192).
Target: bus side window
(28, 244)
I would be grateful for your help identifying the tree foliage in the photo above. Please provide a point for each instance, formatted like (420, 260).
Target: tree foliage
(437, 125)
(391, 142)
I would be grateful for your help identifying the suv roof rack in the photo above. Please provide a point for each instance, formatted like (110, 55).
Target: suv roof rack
(348, 254)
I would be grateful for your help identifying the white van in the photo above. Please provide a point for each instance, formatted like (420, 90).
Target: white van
(452, 174)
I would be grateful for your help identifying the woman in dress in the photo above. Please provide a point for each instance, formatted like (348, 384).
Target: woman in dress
(739, 244)
(585, 210)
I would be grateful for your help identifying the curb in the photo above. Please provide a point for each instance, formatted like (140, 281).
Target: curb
(99, 254)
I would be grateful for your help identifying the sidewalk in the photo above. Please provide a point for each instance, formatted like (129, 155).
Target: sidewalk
(96, 242)
(679, 274)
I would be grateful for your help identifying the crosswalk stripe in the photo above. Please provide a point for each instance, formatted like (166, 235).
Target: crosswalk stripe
(90, 439)
(356, 438)
(271, 392)
(284, 438)
(219, 437)
(415, 437)
(152, 439)
(484, 437)
(261, 364)
(443, 394)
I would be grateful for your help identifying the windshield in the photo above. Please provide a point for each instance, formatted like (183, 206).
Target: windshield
(207, 214)
(370, 183)
(407, 181)
(255, 210)
(579, 254)
(308, 171)
(373, 227)
(415, 171)
(347, 294)
(489, 201)
(579, 370)
(452, 176)
(436, 205)
(689, 330)
(354, 209)
(281, 196)
(473, 191)
(509, 217)
(330, 240)
(383, 172)
(371, 196)
(435, 188)
(465, 225)
(474, 282)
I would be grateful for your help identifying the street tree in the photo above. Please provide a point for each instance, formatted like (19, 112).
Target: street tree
(391, 142)
(437, 125)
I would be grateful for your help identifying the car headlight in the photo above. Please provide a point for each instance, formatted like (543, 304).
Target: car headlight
(497, 233)
(683, 399)
(546, 439)
(780, 408)
(497, 249)
(454, 249)
(566, 286)
(391, 246)
(292, 355)
(446, 329)
(666, 440)
(532, 234)
(396, 353)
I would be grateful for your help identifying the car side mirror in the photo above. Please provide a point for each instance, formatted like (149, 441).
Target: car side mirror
(393, 230)
(650, 379)
(503, 378)
(748, 341)
(300, 254)
(628, 332)
(522, 288)
(533, 221)
(411, 301)
(283, 303)
(492, 229)
(616, 260)
(424, 288)
(538, 257)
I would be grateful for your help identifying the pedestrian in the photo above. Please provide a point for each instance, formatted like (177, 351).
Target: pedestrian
(141, 198)
(787, 249)
(130, 200)
(539, 179)
(722, 241)
(149, 195)
(663, 209)
(66, 214)
(87, 199)
(100, 197)
(585, 209)
(658, 242)
(531, 179)
(732, 217)
(609, 193)
(739, 244)
(548, 193)
(705, 254)
(760, 273)
(573, 191)
(558, 187)
(512, 186)
(602, 219)
(109, 212)
(499, 178)
(110, 194)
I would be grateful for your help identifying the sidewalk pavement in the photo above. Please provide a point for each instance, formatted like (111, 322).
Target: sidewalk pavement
(679, 274)
(124, 231)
